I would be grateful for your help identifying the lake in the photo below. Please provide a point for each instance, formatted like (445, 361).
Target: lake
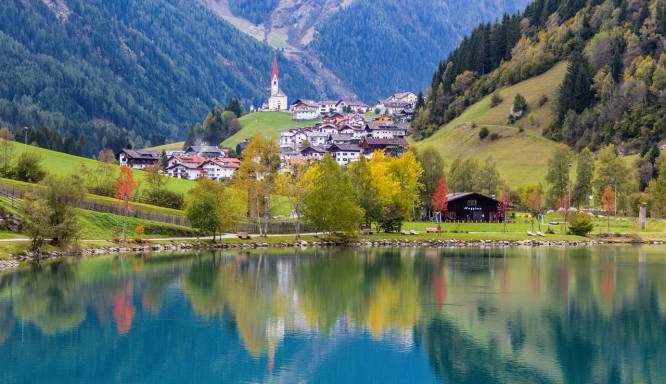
(337, 315)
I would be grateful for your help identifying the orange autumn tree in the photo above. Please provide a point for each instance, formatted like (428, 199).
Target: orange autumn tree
(608, 200)
(440, 199)
(504, 206)
(125, 191)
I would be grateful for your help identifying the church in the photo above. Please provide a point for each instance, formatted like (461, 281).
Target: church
(278, 100)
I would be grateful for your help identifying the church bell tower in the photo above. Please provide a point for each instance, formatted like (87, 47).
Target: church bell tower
(275, 88)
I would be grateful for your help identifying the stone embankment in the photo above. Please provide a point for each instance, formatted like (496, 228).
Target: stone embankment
(32, 256)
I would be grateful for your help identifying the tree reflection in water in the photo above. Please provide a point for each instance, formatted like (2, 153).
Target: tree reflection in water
(484, 315)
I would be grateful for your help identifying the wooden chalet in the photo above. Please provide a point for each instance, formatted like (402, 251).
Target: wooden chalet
(137, 158)
(471, 207)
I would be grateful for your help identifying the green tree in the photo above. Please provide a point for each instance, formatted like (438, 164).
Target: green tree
(433, 171)
(50, 210)
(28, 167)
(6, 150)
(360, 177)
(519, 103)
(330, 203)
(576, 93)
(292, 184)
(612, 170)
(558, 174)
(462, 175)
(584, 176)
(487, 179)
(209, 208)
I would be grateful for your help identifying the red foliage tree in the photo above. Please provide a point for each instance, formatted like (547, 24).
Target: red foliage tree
(608, 199)
(440, 199)
(125, 191)
(504, 206)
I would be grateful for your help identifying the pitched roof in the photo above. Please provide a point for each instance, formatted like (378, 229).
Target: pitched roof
(140, 154)
(377, 141)
(315, 148)
(275, 70)
(338, 137)
(401, 94)
(345, 147)
(460, 195)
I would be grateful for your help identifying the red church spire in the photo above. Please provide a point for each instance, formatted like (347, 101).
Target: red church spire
(275, 71)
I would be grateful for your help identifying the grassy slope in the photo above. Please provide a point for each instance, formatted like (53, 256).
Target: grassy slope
(521, 157)
(61, 164)
(266, 123)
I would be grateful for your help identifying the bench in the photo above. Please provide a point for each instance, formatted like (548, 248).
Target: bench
(403, 232)
(413, 232)
(367, 231)
(243, 235)
(431, 230)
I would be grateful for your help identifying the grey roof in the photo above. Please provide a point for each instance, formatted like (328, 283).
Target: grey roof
(335, 137)
(316, 148)
(401, 94)
(377, 126)
(376, 141)
(459, 195)
(140, 154)
(345, 147)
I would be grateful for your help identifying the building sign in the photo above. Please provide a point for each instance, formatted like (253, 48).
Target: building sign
(473, 209)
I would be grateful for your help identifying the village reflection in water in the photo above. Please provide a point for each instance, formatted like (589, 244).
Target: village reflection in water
(475, 315)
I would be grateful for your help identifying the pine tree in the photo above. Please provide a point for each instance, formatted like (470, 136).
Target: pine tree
(575, 92)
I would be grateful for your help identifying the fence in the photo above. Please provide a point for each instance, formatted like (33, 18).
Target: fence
(283, 227)
(9, 194)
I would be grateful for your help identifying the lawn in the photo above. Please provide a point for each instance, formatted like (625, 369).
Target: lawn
(168, 147)
(60, 164)
(100, 226)
(521, 156)
(265, 123)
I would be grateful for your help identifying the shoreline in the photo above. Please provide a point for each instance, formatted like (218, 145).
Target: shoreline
(32, 257)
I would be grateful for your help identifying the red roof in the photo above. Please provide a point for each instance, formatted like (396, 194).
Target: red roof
(275, 71)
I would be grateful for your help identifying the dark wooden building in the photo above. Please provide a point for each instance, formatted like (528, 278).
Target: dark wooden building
(471, 207)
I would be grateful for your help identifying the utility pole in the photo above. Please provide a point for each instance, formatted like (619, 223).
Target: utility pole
(25, 145)
(566, 215)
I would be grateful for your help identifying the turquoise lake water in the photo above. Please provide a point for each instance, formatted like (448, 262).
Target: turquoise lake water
(515, 315)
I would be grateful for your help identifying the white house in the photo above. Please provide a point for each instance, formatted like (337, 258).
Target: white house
(405, 97)
(345, 153)
(355, 105)
(325, 107)
(317, 138)
(224, 168)
(187, 171)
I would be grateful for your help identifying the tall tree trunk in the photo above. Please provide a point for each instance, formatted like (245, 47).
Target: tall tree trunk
(124, 237)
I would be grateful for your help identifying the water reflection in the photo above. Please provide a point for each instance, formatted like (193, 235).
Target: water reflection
(483, 315)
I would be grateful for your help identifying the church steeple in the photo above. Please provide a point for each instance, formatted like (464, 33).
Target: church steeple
(275, 86)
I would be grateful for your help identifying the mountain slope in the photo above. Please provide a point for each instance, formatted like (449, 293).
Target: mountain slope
(374, 48)
(521, 156)
(122, 70)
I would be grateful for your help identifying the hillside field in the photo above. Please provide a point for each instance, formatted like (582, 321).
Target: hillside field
(521, 156)
(59, 163)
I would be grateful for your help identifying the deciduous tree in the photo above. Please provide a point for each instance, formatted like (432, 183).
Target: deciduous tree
(608, 201)
(504, 206)
(293, 185)
(584, 176)
(125, 192)
(330, 203)
(440, 199)
(256, 178)
(558, 174)
(433, 171)
(534, 206)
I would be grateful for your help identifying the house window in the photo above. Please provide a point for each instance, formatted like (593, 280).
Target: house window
(471, 203)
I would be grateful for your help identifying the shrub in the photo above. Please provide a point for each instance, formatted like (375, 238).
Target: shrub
(581, 225)
(483, 133)
(521, 130)
(531, 119)
(28, 168)
(494, 136)
(550, 231)
(138, 233)
(495, 99)
(542, 100)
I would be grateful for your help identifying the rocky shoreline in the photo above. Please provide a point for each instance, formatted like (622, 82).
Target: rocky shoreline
(34, 257)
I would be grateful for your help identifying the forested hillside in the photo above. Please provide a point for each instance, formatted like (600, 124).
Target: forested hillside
(108, 73)
(254, 10)
(385, 46)
(614, 90)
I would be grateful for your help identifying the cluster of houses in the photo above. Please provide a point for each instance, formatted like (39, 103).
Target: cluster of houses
(193, 163)
(345, 137)
(399, 105)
